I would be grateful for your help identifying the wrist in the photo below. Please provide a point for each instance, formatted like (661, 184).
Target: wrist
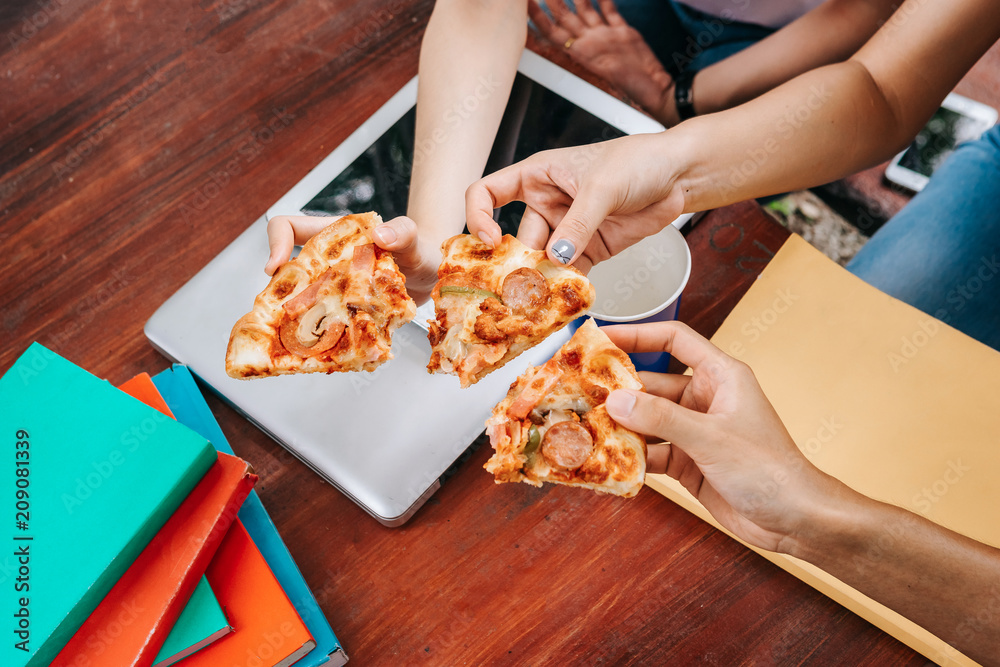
(666, 110)
(835, 523)
(684, 95)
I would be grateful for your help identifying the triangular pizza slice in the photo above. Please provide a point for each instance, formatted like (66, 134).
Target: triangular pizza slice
(553, 425)
(492, 304)
(332, 308)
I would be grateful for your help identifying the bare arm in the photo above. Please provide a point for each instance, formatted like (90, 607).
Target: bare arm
(816, 128)
(830, 33)
(838, 119)
(468, 61)
(729, 445)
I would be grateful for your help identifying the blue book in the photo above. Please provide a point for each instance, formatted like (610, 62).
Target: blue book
(179, 390)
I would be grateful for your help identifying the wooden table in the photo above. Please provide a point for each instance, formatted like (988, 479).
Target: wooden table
(139, 138)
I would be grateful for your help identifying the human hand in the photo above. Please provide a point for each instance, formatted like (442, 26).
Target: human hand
(417, 261)
(605, 44)
(599, 199)
(727, 445)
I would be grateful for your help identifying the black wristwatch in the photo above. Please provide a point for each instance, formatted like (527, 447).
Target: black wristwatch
(683, 95)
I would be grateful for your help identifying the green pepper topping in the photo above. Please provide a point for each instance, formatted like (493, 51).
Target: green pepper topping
(534, 439)
(469, 291)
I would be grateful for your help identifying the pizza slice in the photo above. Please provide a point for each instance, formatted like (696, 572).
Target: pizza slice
(492, 304)
(553, 425)
(333, 308)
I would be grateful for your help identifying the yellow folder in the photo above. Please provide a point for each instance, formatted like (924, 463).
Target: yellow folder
(895, 403)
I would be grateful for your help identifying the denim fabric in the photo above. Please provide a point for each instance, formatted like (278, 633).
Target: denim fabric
(685, 38)
(941, 253)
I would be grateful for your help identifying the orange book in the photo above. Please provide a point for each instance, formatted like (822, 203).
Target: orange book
(133, 620)
(269, 632)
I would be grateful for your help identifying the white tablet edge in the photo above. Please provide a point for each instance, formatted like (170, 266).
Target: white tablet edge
(585, 95)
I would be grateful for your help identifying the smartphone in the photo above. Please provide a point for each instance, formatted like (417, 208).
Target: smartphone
(958, 119)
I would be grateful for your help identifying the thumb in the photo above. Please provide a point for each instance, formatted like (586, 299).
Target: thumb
(280, 240)
(658, 417)
(399, 236)
(574, 231)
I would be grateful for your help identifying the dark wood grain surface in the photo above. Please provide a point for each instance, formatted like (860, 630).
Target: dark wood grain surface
(138, 138)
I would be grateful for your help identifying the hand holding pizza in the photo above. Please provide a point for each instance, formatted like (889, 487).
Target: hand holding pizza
(595, 200)
(728, 445)
(398, 235)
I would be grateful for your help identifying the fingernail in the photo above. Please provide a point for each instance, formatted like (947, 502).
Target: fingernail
(620, 403)
(485, 238)
(385, 234)
(563, 250)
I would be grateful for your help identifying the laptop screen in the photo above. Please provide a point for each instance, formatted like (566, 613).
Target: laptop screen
(536, 119)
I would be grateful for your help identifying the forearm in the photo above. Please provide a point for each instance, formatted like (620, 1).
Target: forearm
(468, 61)
(830, 33)
(821, 126)
(943, 581)
(835, 120)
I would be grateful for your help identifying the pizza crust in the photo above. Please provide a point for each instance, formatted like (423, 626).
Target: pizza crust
(371, 307)
(572, 386)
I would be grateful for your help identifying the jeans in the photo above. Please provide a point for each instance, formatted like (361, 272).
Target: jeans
(687, 39)
(941, 253)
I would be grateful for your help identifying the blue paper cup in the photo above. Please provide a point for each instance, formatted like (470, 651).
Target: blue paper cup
(643, 283)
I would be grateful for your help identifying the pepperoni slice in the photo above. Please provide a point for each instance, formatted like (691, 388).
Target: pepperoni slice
(363, 260)
(305, 299)
(288, 333)
(567, 445)
(543, 382)
(524, 291)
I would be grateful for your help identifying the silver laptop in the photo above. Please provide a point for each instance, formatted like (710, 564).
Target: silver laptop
(385, 439)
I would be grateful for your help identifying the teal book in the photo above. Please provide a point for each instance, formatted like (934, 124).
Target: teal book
(181, 393)
(92, 475)
(201, 622)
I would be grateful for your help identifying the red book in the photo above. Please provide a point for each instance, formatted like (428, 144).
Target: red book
(269, 632)
(131, 623)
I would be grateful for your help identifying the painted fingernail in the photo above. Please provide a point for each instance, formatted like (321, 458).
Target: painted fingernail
(620, 403)
(485, 238)
(563, 250)
(385, 234)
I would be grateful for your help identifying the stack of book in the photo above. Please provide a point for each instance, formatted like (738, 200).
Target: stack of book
(134, 537)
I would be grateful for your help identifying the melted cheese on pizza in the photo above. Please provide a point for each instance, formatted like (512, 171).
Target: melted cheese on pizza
(491, 304)
(333, 308)
(553, 426)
